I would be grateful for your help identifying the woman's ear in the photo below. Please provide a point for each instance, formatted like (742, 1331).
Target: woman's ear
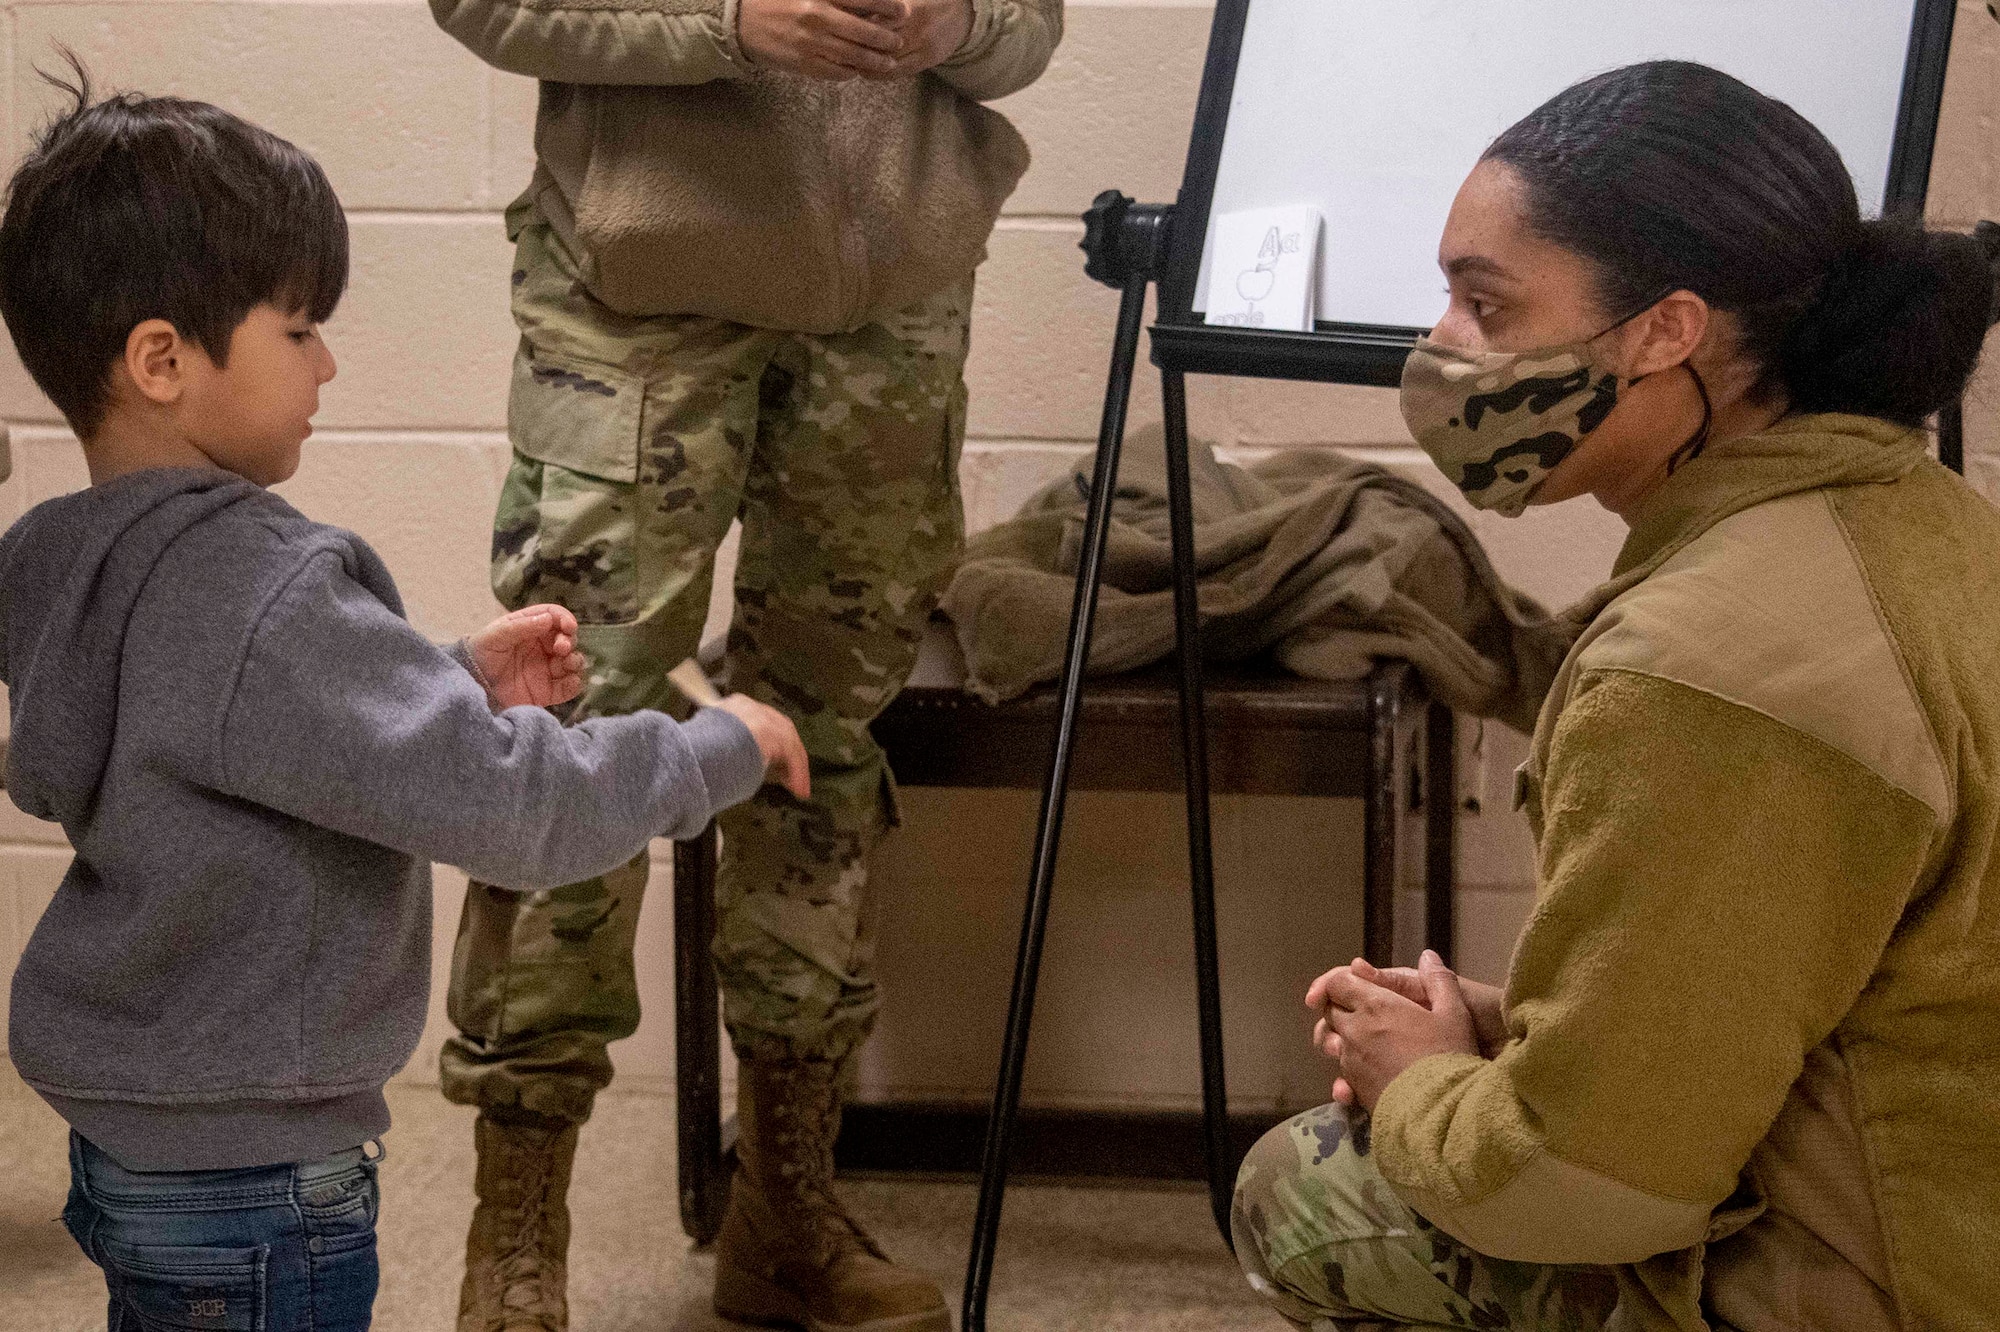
(1667, 334)
(156, 361)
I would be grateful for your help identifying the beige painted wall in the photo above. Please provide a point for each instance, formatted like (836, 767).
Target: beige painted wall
(426, 146)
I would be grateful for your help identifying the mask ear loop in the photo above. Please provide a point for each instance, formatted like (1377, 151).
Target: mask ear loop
(1698, 441)
(1638, 310)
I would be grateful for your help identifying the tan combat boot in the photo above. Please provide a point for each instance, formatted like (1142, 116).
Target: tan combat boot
(788, 1253)
(516, 1254)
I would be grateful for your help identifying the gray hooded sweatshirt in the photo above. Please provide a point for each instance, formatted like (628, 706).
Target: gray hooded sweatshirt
(257, 759)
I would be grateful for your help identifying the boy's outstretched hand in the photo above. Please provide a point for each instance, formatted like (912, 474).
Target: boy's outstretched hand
(785, 759)
(529, 658)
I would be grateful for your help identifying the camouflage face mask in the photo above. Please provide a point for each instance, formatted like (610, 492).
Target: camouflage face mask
(1497, 423)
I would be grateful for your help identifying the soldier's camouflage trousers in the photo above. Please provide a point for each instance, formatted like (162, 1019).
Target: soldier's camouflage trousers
(1323, 1237)
(637, 441)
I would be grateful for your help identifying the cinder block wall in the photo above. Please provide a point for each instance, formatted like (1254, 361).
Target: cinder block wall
(426, 146)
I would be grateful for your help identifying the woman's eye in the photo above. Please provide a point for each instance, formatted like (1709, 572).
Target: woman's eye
(1480, 307)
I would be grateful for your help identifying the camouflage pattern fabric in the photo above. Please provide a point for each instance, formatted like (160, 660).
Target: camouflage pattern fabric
(1323, 1237)
(540, 984)
(1498, 423)
(637, 441)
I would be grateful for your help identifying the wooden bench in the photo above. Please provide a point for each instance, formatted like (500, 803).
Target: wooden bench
(1379, 739)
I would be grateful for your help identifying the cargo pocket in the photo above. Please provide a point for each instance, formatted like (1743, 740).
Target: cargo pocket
(170, 1288)
(565, 531)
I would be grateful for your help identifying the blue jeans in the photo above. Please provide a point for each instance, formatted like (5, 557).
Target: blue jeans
(284, 1248)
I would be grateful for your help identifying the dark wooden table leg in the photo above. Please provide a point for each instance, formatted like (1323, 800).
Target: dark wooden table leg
(1440, 828)
(1381, 805)
(702, 1163)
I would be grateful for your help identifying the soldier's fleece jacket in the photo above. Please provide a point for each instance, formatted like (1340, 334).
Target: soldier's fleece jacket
(684, 179)
(1755, 1017)
(257, 758)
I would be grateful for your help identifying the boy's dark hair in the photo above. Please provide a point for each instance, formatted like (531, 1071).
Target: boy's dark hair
(137, 208)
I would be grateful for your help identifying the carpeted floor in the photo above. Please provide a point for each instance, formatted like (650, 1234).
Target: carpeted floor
(1106, 1259)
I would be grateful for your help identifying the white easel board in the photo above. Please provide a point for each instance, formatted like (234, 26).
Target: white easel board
(1373, 111)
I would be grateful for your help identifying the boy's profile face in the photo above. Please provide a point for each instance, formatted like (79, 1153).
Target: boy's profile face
(250, 415)
(173, 406)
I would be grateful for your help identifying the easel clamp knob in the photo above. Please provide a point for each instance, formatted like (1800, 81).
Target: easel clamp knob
(1123, 239)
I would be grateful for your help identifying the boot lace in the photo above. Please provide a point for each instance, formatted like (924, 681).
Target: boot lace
(809, 1143)
(522, 1266)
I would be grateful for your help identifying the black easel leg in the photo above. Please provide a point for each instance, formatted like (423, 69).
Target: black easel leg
(1055, 791)
(1194, 772)
(701, 1161)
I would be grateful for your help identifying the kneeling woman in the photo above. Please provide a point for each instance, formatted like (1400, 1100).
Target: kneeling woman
(1746, 1069)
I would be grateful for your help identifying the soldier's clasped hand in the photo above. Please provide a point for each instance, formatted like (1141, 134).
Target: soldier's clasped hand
(822, 39)
(932, 33)
(1376, 1031)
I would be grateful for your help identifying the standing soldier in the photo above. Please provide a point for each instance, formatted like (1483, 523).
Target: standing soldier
(743, 278)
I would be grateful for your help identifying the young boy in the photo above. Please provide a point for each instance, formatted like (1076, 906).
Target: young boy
(255, 757)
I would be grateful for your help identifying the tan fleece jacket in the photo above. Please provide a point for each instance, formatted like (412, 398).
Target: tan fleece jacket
(1755, 1017)
(685, 180)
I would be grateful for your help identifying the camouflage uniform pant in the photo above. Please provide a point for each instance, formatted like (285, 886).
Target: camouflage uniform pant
(637, 441)
(1323, 1237)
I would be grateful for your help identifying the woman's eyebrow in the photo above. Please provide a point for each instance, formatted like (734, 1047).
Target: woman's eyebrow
(1476, 265)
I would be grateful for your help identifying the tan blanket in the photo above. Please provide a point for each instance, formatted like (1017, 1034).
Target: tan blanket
(1328, 562)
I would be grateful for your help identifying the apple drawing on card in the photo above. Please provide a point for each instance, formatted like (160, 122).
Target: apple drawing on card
(1264, 269)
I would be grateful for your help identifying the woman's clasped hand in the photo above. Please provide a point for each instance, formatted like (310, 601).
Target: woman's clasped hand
(1377, 1021)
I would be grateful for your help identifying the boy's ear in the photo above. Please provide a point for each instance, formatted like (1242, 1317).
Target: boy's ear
(156, 361)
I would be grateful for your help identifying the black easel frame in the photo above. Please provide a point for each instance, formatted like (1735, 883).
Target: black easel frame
(1131, 246)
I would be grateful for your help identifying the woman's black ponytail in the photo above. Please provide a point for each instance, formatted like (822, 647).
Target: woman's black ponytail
(1897, 328)
(1673, 175)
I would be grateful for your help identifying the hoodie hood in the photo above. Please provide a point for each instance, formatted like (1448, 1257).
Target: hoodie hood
(71, 574)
